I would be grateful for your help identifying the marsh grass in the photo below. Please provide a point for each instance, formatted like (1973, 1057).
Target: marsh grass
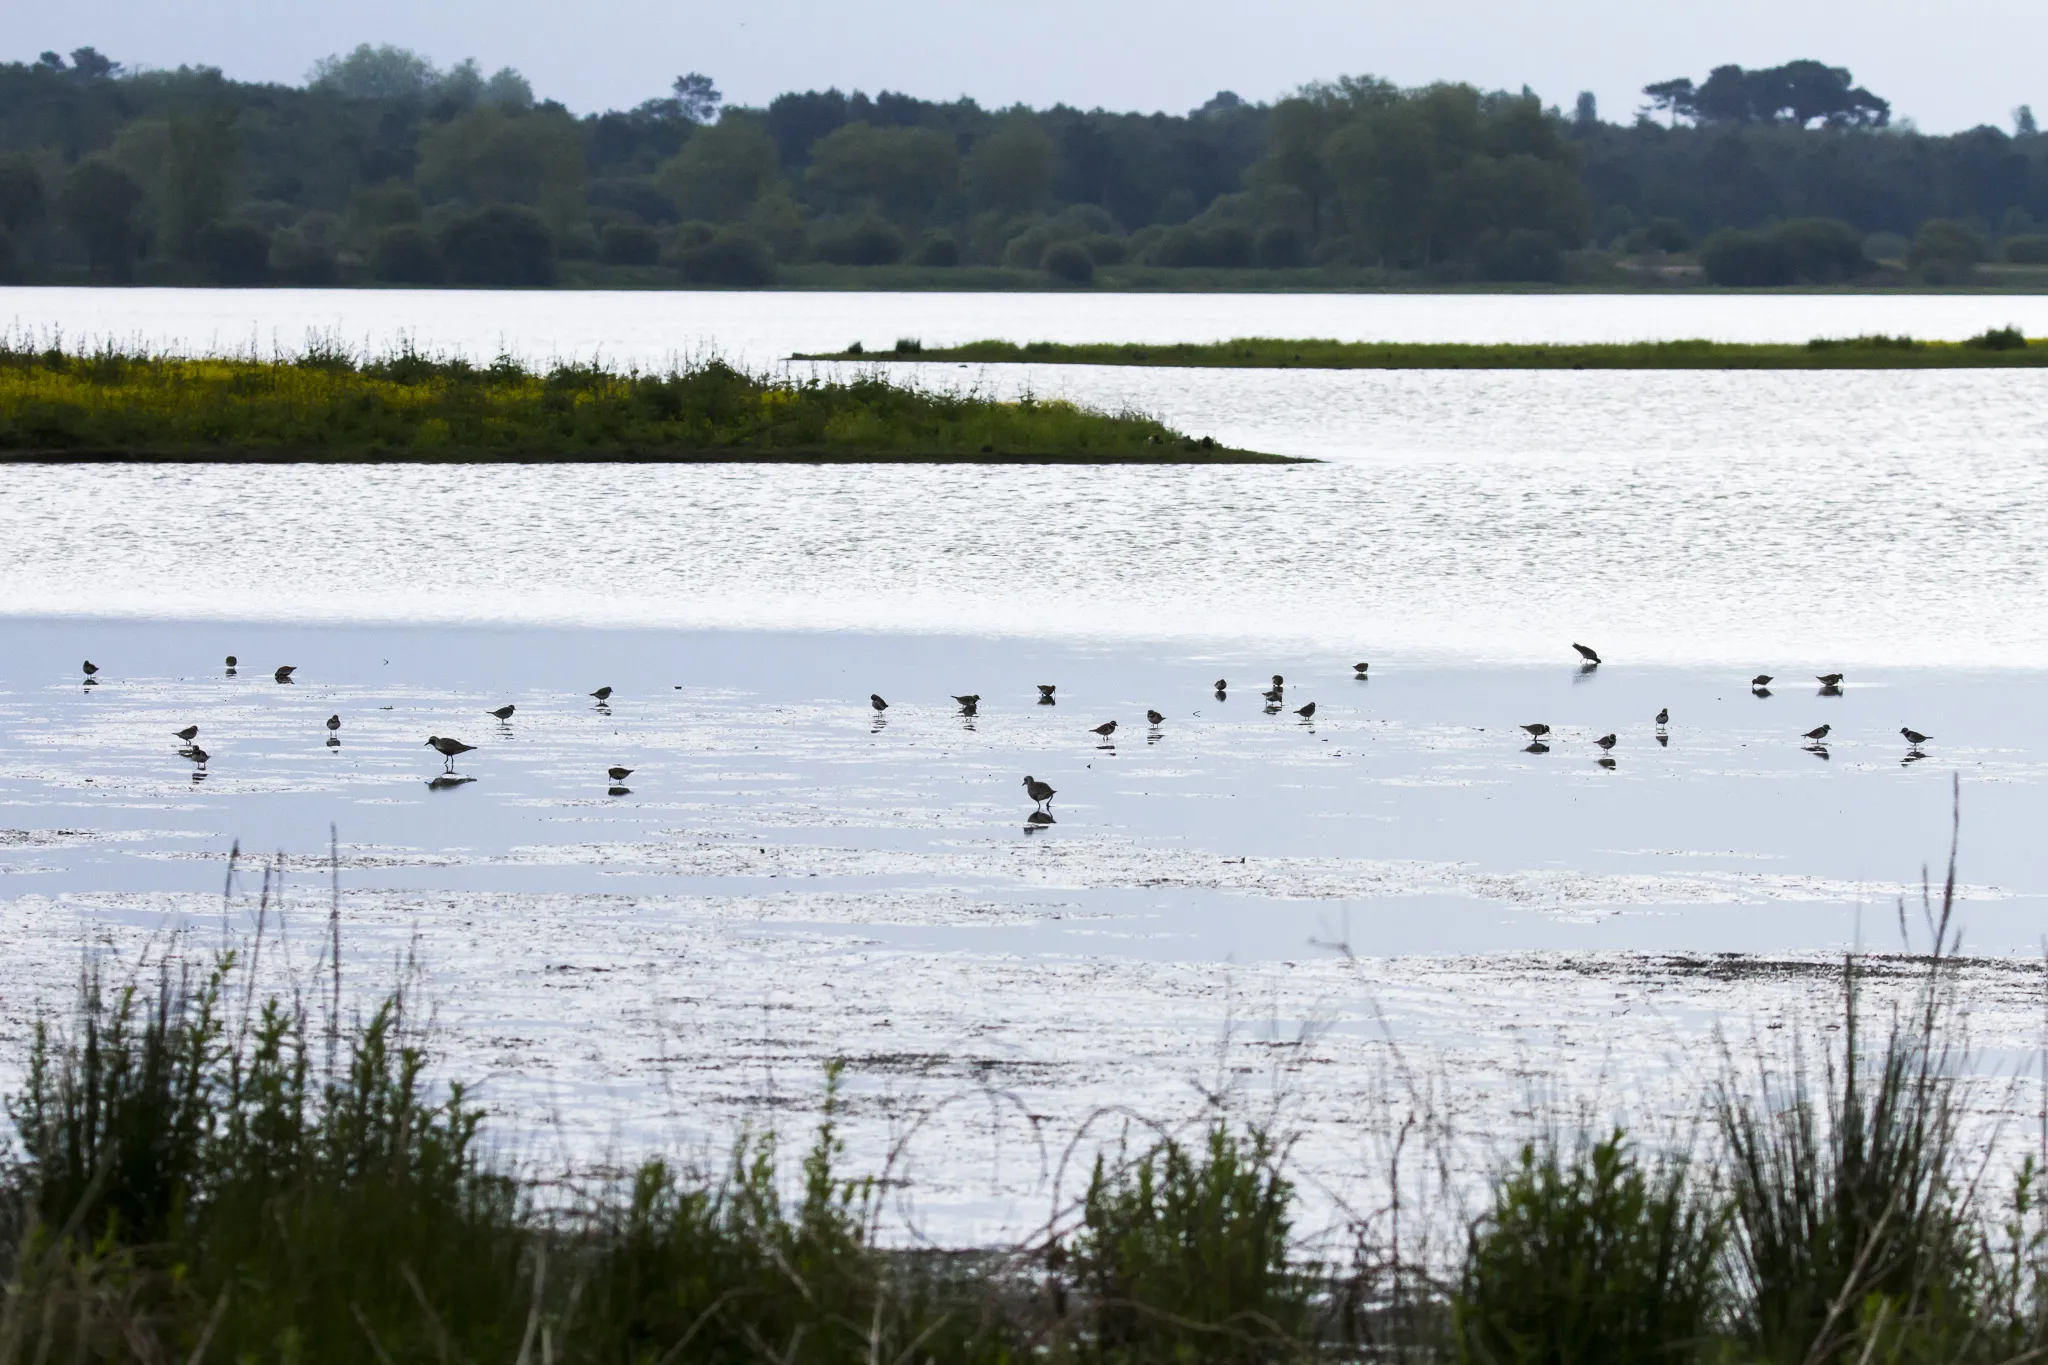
(190, 1180)
(329, 404)
(2003, 347)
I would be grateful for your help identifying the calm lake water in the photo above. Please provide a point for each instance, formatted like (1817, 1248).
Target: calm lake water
(1237, 901)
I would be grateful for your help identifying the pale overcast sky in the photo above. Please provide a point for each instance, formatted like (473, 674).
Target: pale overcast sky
(1944, 66)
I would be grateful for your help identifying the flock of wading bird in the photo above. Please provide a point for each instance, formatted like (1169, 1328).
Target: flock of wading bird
(1042, 793)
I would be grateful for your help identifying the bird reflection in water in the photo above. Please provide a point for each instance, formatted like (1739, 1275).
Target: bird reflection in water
(448, 782)
(1538, 747)
(618, 791)
(1606, 763)
(1045, 694)
(1037, 821)
(1818, 750)
(1663, 740)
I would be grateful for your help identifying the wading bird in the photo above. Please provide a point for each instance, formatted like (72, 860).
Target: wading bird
(91, 668)
(1360, 669)
(448, 748)
(188, 734)
(618, 774)
(1829, 680)
(1222, 685)
(503, 712)
(334, 722)
(1819, 733)
(1039, 792)
(231, 661)
(969, 702)
(284, 672)
(603, 694)
(1760, 680)
(1605, 741)
(1914, 737)
(1664, 715)
(1538, 730)
(196, 754)
(1045, 691)
(1106, 729)
(875, 700)
(1306, 712)
(1587, 652)
(1155, 717)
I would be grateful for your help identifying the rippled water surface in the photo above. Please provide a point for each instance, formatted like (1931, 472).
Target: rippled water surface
(1237, 897)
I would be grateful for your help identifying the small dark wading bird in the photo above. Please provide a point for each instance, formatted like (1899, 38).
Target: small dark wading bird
(603, 695)
(1914, 737)
(1106, 729)
(91, 668)
(970, 703)
(875, 700)
(284, 673)
(1664, 716)
(1819, 733)
(1538, 730)
(1605, 741)
(1045, 691)
(618, 774)
(1222, 686)
(1588, 653)
(1040, 793)
(1360, 670)
(448, 748)
(1760, 680)
(334, 722)
(195, 753)
(188, 734)
(503, 712)
(232, 661)
(1306, 712)
(1155, 718)
(1829, 680)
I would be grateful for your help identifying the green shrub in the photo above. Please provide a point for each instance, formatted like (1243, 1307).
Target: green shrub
(407, 254)
(10, 260)
(936, 249)
(871, 241)
(1658, 235)
(733, 256)
(1522, 255)
(1226, 247)
(505, 245)
(1279, 247)
(1588, 1258)
(1946, 240)
(298, 258)
(234, 253)
(1106, 248)
(1999, 339)
(1803, 251)
(2031, 249)
(1069, 262)
(1183, 1255)
(629, 244)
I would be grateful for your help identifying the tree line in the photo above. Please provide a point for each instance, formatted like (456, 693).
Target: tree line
(385, 167)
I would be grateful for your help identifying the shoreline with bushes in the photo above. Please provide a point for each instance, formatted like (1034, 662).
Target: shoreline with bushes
(2000, 348)
(331, 405)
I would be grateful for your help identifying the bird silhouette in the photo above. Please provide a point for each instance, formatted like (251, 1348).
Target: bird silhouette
(188, 734)
(1829, 680)
(1278, 682)
(1538, 730)
(1222, 685)
(1605, 741)
(91, 668)
(232, 661)
(1760, 680)
(1914, 737)
(1663, 740)
(618, 774)
(1038, 820)
(1664, 715)
(196, 754)
(1537, 747)
(1819, 733)
(1039, 792)
(1045, 691)
(284, 672)
(1154, 717)
(1587, 652)
(448, 748)
(503, 712)
(1275, 693)
(875, 700)
(334, 722)
(969, 702)
(1106, 729)
(1607, 763)
(1306, 712)
(603, 694)
(1360, 669)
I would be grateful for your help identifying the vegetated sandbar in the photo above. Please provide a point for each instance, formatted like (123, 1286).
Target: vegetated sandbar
(330, 406)
(1994, 349)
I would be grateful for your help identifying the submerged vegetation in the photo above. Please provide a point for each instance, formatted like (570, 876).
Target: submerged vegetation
(200, 1173)
(2000, 347)
(328, 405)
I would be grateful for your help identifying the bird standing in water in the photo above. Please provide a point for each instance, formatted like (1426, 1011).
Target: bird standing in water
(1914, 737)
(91, 668)
(334, 722)
(188, 734)
(1360, 669)
(503, 712)
(1045, 691)
(284, 673)
(1039, 792)
(603, 695)
(1605, 741)
(1155, 717)
(1106, 729)
(1306, 712)
(448, 748)
(618, 774)
(1538, 730)
(970, 703)
(1664, 715)
(1588, 653)
(1223, 684)
(1760, 680)
(1819, 733)
(1829, 680)
(875, 700)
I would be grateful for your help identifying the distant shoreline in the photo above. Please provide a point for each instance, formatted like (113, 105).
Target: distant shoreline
(2001, 349)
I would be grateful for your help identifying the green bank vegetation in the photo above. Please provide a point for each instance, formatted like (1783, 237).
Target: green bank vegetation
(2001, 347)
(328, 405)
(202, 1173)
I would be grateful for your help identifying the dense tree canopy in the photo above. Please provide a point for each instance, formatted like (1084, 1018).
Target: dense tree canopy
(385, 166)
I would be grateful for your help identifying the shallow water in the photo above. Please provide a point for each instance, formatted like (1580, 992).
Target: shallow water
(1243, 902)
